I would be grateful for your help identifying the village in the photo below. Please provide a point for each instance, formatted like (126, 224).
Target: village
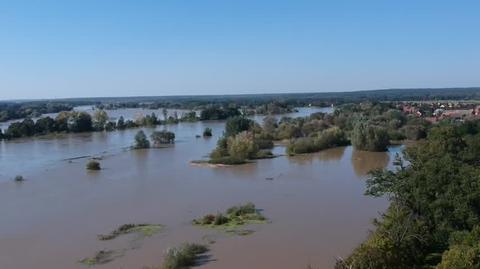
(436, 111)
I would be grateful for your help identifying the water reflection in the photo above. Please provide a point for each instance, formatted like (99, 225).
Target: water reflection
(364, 161)
(334, 154)
(327, 155)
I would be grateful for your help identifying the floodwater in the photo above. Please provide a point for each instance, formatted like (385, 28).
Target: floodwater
(315, 202)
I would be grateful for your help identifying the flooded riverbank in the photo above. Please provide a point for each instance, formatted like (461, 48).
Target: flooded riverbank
(315, 202)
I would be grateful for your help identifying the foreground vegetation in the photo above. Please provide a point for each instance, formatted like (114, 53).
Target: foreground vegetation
(101, 257)
(434, 217)
(183, 257)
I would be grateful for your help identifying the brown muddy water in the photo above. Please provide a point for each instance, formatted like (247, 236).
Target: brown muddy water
(315, 202)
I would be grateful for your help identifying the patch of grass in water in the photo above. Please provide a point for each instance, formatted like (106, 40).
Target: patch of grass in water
(145, 230)
(233, 218)
(101, 257)
(183, 257)
(241, 232)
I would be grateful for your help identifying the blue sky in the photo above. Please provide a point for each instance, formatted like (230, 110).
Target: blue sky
(52, 49)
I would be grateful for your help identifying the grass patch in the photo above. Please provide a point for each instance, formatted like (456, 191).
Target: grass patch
(101, 257)
(227, 161)
(183, 257)
(234, 217)
(145, 230)
(240, 232)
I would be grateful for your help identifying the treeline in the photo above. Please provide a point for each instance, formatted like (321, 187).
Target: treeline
(434, 217)
(287, 99)
(76, 122)
(253, 102)
(13, 111)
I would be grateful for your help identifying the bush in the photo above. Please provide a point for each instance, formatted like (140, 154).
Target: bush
(93, 165)
(207, 132)
(184, 256)
(333, 137)
(19, 178)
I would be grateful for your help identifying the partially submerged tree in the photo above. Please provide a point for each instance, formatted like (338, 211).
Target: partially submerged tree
(207, 132)
(366, 136)
(141, 140)
(163, 137)
(93, 165)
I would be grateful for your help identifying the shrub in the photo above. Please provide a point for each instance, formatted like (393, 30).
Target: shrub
(93, 165)
(184, 256)
(19, 178)
(207, 132)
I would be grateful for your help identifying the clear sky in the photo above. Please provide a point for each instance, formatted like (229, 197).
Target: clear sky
(67, 48)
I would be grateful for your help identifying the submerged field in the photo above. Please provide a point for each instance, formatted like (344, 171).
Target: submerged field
(314, 203)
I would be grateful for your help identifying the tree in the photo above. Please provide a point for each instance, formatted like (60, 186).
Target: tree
(121, 123)
(368, 137)
(61, 121)
(207, 132)
(110, 126)
(100, 118)
(141, 141)
(45, 125)
(237, 125)
(242, 146)
(165, 114)
(433, 219)
(270, 123)
(163, 137)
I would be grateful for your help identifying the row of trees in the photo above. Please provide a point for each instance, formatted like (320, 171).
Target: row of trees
(434, 217)
(75, 122)
(159, 139)
(12, 111)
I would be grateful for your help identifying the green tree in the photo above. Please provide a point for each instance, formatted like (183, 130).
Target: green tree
(45, 125)
(121, 123)
(100, 119)
(141, 140)
(369, 137)
(163, 137)
(237, 125)
(207, 132)
(242, 146)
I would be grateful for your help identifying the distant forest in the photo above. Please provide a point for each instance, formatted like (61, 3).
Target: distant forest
(20, 109)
